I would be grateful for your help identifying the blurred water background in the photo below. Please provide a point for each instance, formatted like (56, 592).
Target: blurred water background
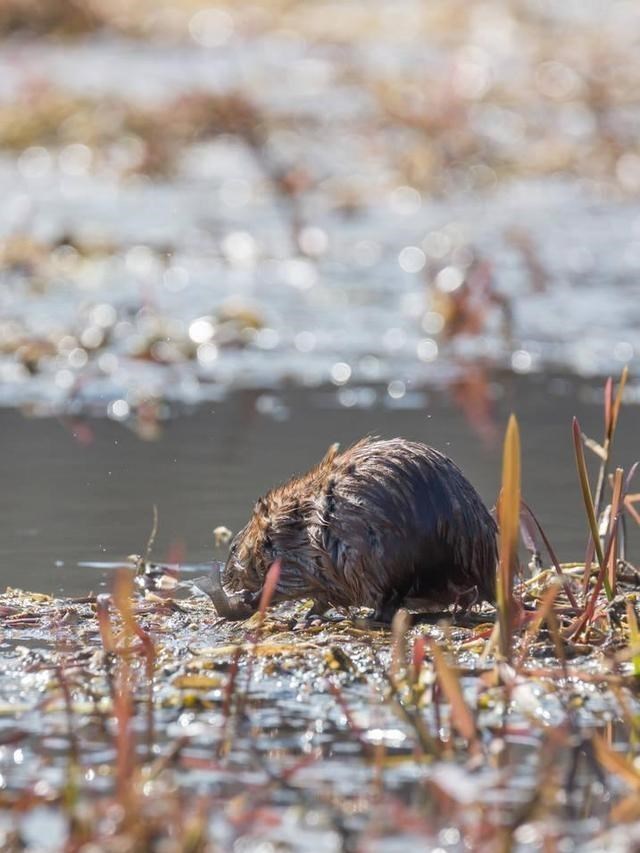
(234, 233)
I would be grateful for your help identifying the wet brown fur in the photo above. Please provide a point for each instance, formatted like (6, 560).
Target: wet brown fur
(381, 523)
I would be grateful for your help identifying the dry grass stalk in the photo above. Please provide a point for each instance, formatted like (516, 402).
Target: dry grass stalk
(461, 715)
(509, 522)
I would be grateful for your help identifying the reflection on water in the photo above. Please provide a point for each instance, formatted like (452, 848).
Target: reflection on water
(74, 502)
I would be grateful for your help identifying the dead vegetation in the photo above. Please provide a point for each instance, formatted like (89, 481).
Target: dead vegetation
(154, 136)
(489, 98)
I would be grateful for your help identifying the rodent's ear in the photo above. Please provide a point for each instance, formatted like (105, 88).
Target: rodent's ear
(331, 453)
(260, 507)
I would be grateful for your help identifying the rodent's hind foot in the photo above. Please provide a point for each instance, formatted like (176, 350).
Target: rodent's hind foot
(381, 617)
(385, 610)
(319, 613)
(369, 623)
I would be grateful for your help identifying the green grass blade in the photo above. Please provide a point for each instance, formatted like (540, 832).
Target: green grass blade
(588, 500)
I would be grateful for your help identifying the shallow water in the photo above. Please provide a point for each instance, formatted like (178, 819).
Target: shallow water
(315, 755)
(71, 503)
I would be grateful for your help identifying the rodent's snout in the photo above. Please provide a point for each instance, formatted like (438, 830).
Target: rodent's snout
(232, 575)
(242, 569)
(232, 605)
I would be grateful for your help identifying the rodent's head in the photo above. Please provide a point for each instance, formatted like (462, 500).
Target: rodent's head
(244, 569)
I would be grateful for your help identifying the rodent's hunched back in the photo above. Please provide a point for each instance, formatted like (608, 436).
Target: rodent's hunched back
(383, 522)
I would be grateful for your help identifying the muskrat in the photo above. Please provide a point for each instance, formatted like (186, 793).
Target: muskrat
(384, 523)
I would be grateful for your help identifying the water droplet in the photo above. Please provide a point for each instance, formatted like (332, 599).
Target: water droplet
(396, 389)
(64, 379)
(140, 260)
(34, 162)
(521, 361)
(75, 159)
(299, 273)
(370, 367)
(472, 74)
(103, 315)
(108, 362)
(405, 201)
(427, 350)
(394, 339)
(118, 410)
(436, 244)
(340, 373)
(347, 397)
(211, 27)
(239, 248)
(412, 259)
(313, 241)
(175, 279)
(78, 357)
(267, 338)
(207, 354)
(433, 322)
(305, 341)
(449, 279)
(201, 330)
